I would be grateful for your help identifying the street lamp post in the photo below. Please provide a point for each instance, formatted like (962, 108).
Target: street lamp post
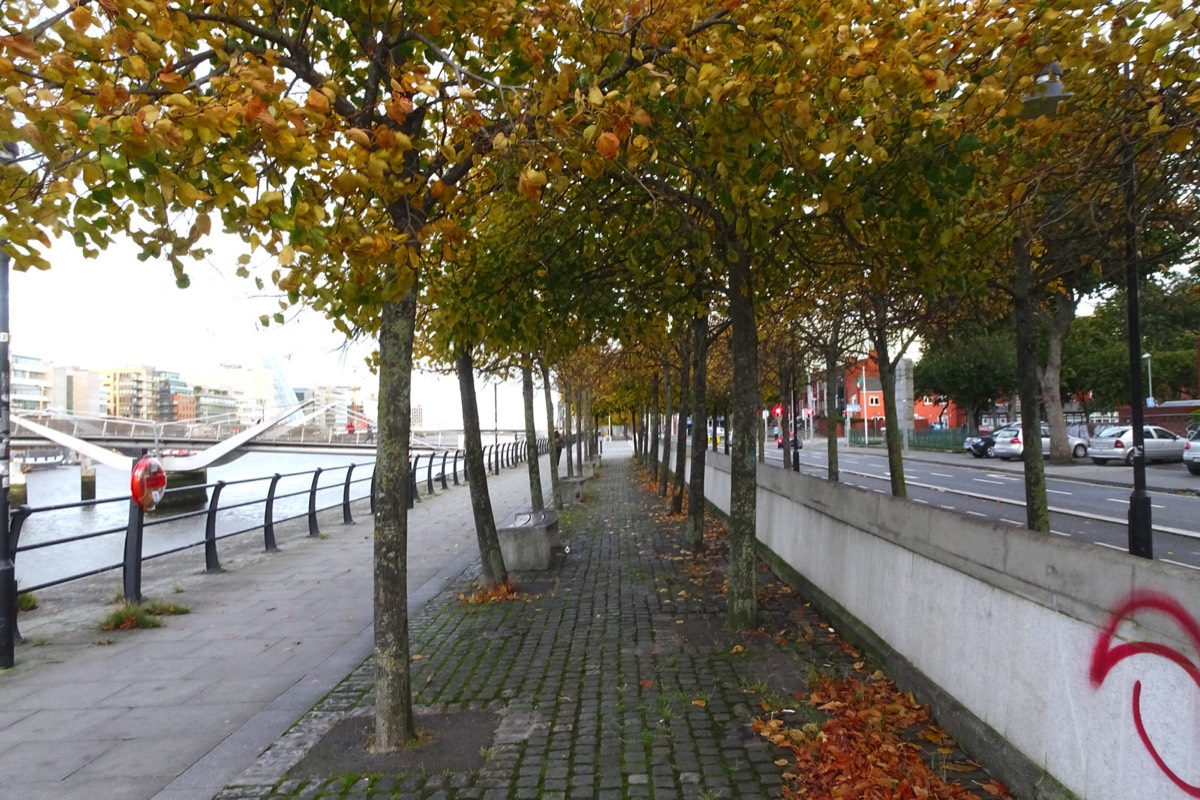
(1140, 529)
(8, 569)
(1150, 401)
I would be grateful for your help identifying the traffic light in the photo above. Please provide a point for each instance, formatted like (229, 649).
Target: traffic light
(778, 411)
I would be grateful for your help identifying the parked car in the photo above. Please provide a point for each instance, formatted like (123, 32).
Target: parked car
(1115, 443)
(983, 445)
(1011, 445)
(1191, 452)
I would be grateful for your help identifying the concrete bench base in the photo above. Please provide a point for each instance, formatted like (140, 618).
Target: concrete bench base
(528, 540)
(572, 488)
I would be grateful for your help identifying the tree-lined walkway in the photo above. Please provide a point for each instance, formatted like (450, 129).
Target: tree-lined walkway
(611, 675)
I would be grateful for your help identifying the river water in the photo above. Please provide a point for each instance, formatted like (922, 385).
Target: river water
(61, 485)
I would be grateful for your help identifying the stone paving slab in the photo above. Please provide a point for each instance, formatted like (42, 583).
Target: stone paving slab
(176, 712)
(613, 677)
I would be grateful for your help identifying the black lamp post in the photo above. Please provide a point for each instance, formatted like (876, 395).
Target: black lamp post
(1140, 534)
(8, 573)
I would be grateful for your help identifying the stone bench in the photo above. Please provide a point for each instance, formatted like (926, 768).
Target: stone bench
(572, 488)
(528, 540)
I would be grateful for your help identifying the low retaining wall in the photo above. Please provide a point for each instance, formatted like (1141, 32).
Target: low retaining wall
(1071, 669)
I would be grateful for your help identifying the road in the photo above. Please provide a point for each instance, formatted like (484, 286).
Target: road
(1090, 505)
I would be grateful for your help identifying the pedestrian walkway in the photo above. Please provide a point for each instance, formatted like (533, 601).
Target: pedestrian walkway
(610, 676)
(178, 712)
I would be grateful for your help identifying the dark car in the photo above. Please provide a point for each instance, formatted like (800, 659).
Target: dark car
(981, 446)
(797, 444)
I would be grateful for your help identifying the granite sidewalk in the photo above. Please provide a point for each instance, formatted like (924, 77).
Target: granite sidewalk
(610, 676)
(177, 713)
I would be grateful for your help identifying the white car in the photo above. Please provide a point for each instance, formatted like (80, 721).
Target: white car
(1009, 443)
(1115, 443)
(1191, 452)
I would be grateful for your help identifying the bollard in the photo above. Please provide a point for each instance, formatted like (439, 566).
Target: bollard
(87, 481)
(313, 530)
(132, 566)
(444, 454)
(8, 608)
(211, 563)
(346, 518)
(412, 482)
(454, 467)
(429, 476)
(269, 518)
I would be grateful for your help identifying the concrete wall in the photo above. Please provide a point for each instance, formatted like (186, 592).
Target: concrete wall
(1039, 654)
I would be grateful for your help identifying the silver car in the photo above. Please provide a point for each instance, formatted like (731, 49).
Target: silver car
(1191, 452)
(1009, 443)
(1115, 443)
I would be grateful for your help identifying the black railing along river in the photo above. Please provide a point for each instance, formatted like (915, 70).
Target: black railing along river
(54, 544)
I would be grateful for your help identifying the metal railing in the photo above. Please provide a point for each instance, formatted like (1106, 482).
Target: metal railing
(352, 484)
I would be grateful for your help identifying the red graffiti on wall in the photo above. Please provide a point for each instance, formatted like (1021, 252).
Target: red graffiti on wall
(1108, 653)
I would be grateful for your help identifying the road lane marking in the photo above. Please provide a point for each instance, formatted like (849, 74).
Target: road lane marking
(1118, 548)
(941, 475)
(984, 480)
(1056, 491)
(1117, 500)
(1070, 512)
(1060, 533)
(1180, 564)
(977, 514)
(919, 500)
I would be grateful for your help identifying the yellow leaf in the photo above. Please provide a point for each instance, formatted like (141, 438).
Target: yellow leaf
(287, 256)
(359, 137)
(608, 145)
(1178, 141)
(535, 177)
(700, 703)
(737, 648)
(595, 96)
(81, 18)
(317, 101)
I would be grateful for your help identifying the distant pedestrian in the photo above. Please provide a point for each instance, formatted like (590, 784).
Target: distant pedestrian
(370, 433)
(558, 446)
(350, 428)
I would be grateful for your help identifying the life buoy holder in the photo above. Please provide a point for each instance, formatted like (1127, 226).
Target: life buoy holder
(148, 483)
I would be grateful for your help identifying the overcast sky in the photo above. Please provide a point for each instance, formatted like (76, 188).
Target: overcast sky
(116, 311)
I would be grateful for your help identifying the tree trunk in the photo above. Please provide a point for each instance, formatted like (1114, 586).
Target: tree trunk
(494, 572)
(536, 500)
(729, 419)
(568, 442)
(891, 419)
(1037, 509)
(394, 726)
(785, 404)
(742, 600)
(696, 497)
(1057, 327)
(652, 457)
(580, 420)
(634, 416)
(685, 369)
(832, 374)
(664, 469)
(555, 485)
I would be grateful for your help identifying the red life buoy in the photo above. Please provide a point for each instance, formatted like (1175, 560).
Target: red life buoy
(148, 483)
